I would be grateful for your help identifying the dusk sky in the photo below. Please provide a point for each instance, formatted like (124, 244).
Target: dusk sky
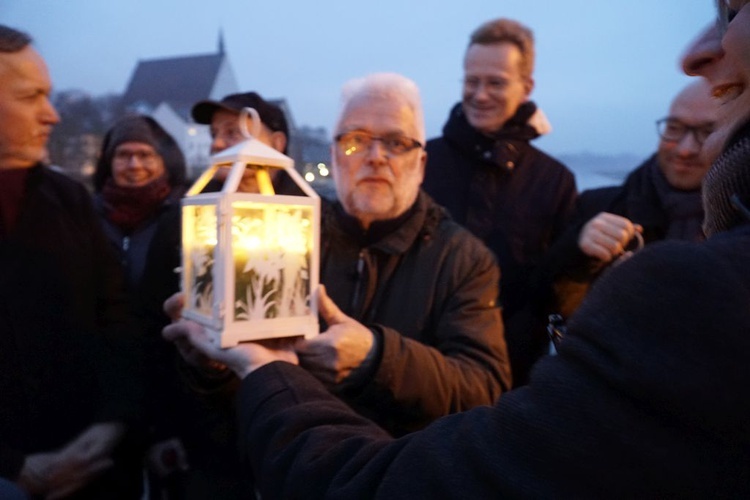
(605, 71)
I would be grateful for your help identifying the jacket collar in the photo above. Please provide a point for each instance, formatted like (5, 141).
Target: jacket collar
(504, 148)
(395, 236)
(726, 187)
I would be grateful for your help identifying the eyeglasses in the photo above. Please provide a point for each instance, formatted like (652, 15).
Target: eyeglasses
(230, 135)
(144, 157)
(358, 142)
(673, 130)
(728, 9)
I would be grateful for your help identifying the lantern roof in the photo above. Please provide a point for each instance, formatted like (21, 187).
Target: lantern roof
(252, 151)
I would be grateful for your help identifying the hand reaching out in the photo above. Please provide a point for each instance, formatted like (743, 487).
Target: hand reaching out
(605, 236)
(174, 305)
(194, 357)
(61, 473)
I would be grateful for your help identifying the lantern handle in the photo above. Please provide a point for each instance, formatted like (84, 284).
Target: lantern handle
(243, 122)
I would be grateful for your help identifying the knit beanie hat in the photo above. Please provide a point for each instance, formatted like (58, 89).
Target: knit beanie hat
(726, 187)
(145, 130)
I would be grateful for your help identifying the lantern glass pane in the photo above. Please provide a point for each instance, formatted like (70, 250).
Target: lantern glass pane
(272, 251)
(200, 239)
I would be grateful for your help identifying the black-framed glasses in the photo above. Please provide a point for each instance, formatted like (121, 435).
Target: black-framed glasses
(143, 157)
(727, 10)
(358, 142)
(673, 130)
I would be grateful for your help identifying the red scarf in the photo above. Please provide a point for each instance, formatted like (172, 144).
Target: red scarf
(129, 207)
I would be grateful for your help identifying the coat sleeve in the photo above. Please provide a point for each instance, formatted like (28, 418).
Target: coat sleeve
(565, 204)
(11, 462)
(566, 273)
(120, 341)
(464, 362)
(635, 405)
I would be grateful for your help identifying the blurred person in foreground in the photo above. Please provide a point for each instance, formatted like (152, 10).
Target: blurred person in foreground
(647, 397)
(412, 329)
(485, 171)
(68, 386)
(661, 199)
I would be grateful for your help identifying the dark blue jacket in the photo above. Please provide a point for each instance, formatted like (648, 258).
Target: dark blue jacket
(68, 353)
(646, 399)
(516, 199)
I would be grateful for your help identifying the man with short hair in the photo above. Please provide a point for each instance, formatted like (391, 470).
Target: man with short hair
(661, 199)
(418, 334)
(68, 393)
(492, 180)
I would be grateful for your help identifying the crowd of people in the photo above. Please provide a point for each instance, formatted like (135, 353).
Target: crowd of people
(441, 262)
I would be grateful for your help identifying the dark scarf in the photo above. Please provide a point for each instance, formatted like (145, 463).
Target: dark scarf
(684, 209)
(501, 148)
(129, 207)
(12, 190)
(726, 187)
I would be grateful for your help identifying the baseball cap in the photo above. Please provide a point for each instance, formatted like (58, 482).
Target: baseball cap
(271, 115)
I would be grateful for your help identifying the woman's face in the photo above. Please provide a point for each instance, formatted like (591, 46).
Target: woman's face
(721, 54)
(136, 164)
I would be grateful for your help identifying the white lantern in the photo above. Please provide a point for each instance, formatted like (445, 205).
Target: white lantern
(250, 260)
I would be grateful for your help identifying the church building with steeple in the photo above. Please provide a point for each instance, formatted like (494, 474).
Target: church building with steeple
(167, 88)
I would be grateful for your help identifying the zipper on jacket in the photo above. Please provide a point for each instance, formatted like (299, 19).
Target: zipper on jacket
(126, 243)
(358, 284)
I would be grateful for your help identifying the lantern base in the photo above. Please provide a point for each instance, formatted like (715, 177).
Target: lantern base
(248, 331)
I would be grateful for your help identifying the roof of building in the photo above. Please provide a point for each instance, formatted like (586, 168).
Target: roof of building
(179, 81)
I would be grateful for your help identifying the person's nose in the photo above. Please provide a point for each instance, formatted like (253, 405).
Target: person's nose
(49, 113)
(688, 145)
(218, 143)
(702, 52)
(377, 153)
(134, 162)
(480, 91)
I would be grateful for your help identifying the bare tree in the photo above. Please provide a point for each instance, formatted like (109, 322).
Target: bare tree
(75, 142)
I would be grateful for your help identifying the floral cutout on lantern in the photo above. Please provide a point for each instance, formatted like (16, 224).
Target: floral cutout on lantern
(202, 258)
(272, 252)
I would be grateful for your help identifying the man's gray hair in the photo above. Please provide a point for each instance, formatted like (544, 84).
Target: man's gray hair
(389, 86)
(13, 40)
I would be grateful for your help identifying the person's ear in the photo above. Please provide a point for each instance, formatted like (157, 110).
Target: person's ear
(422, 164)
(278, 141)
(528, 86)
